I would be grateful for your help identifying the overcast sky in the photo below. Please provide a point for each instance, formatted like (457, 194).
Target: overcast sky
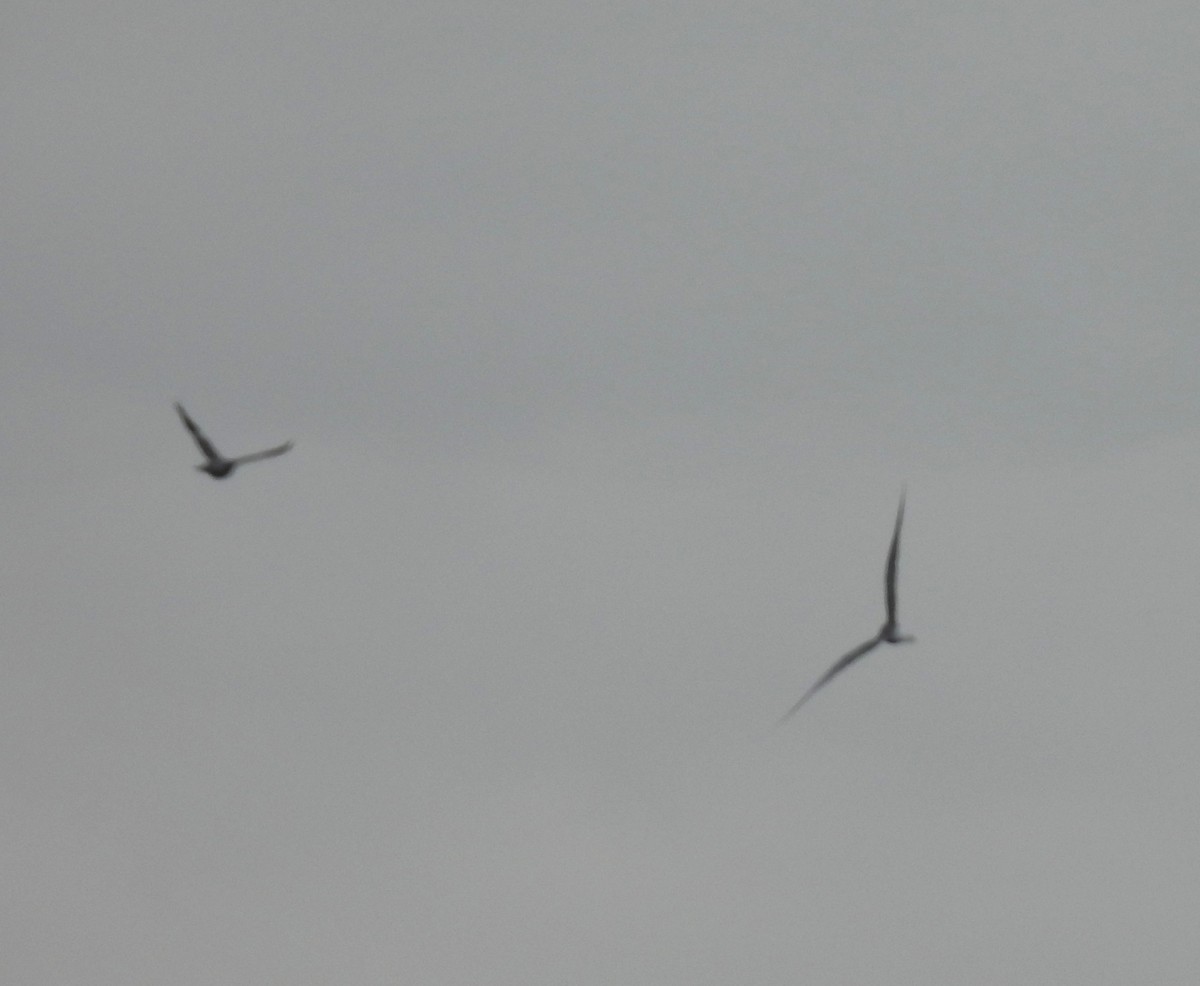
(608, 335)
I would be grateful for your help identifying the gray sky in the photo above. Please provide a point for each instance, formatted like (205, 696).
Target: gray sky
(607, 335)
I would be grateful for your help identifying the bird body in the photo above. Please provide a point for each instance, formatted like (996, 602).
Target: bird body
(889, 633)
(215, 464)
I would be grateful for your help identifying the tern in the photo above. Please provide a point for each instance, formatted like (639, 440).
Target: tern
(889, 633)
(216, 465)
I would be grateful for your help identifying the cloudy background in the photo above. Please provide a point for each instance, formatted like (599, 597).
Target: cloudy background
(608, 335)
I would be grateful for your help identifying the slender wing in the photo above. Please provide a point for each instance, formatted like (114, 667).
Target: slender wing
(206, 446)
(889, 581)
(265, 454)
(839, 666)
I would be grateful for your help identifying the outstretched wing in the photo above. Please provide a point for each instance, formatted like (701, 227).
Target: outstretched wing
(265, 454)
(889, 581)
(838, 667)
(206, 446)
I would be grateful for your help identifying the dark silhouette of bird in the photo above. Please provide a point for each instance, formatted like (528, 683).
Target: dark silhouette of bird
(215, 464)
(889, 633)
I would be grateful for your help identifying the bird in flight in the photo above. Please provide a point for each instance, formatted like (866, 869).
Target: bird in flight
(215, 464)
(889, 633)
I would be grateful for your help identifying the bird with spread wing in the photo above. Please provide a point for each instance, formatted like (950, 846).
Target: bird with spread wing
(889, 633)
(215, 464)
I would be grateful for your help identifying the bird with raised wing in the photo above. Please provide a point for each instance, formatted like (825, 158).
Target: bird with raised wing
(889, 633)
(215, 464)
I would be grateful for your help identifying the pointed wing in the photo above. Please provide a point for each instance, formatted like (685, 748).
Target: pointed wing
(839, 666)
(265, 454)
(889, 581)
(206, 446)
